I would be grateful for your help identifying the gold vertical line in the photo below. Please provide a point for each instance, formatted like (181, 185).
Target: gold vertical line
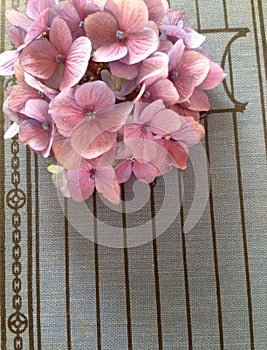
(67, 276)
(126, 271)
(37, 254)
(231, 75)
(225, 14)
(214, 245)
(97, 284)
(198, 15)
(244, 231)
(29, 250)
(186, 279)
(241, 200)
(263, 35)
(156, 267)
(257, 47)
(2, 198)
(212, 215)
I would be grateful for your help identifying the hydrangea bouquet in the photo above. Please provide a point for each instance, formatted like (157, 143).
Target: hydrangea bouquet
(108, 88)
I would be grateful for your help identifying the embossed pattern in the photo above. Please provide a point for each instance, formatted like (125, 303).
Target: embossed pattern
(165, 288)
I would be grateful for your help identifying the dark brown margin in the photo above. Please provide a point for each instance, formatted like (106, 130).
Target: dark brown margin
(37, 254)
(29, 249)
(2, 197)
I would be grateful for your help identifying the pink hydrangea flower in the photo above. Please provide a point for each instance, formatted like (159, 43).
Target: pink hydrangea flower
(157, 9)
(20, 94)
(58, 56)
(159, 89)
(88, 115)
(144, 172)
(175, 25)
(38, 130)
(110, 88)
(187, 69)
(83, 181)
(17, 32)
(148, 120)
(121, 31)
(173, 146)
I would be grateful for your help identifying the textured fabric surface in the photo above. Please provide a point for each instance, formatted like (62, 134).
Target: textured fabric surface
(175, 268)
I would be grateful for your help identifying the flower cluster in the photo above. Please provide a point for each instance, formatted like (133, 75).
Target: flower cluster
(108, 88)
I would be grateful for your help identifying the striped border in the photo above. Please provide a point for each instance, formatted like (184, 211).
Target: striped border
(2, 197)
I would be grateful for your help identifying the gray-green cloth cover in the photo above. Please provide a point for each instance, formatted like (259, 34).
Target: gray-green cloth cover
(182, 263)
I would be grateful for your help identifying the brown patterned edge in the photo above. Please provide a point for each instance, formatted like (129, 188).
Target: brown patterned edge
(2, 199)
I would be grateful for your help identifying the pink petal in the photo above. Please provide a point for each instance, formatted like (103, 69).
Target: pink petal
(65, 112)
(131, 15)
(18, 19)
(146, 114)
(84, 8)
(114, 117)
(16, 35)
(65, 154)
(12, 131)
(94, 95)
(144, 172)
(90, 141)
(199, 101)
(37, 109)
(179, 154)
(32, 134)
(154, 66)
(38, 26)
(162, 160)
(19, 72)
(38, 58)
(107, 184)
(60, 35)
(140, 142)
(100, 3)
(101, 28)
(176, 54)
(56, 79)
(138, 109)
(20, 94)
(123, 152)
(7, 60)
(66, 11)
(128, 87)
(190, 133)
(150, 110)
(193, 39)
(80, 184)
(123, 171)
(192, 70)
(107, 158)
(110, 52)
(76, 63)
(164, 45)
(173, 17)
(9, 114)
(184, 111)
(35, 7)
(165, 90)
(214, 78)
(140, 45)
(157, 9)
(123, 70)
(165, 121)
